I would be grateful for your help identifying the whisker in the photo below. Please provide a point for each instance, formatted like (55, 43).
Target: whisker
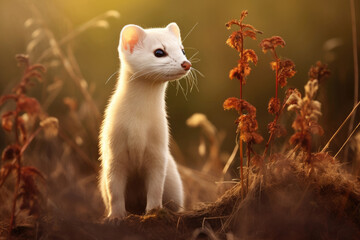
(197, 71)
(181, 87)
(192, 48)
(192, 80)
(194, 55)
(111, 76)
(194, 60)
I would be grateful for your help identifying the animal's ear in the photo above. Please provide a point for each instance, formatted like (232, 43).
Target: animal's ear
(174, 28)
(130, 36)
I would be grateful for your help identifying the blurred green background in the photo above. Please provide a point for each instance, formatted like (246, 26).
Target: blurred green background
(313, 30)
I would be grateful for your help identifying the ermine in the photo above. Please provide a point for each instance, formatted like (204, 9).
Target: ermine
(138, 172)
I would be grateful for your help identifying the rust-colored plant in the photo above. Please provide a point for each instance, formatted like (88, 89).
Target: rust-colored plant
(319, 71)
(307, 109)
(284, 69)
(246, 123)
(16, 121)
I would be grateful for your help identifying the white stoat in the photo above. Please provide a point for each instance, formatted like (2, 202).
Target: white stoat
(138, 172)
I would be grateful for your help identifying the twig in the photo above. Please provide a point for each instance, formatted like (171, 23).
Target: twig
(29, 140)
(347, 139)
(343, 123)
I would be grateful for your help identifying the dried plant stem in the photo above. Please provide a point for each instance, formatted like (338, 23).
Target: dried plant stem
(356, 66)
(29, 140)
(267, 146)
(347, 139)
(240, 140)
(342, 124)
(241, 167)
(73, 34)
(276, 75)
(246, 124)
(16, 190)
(18, 176)
(231, 159)
(248, 157)
(80, 82)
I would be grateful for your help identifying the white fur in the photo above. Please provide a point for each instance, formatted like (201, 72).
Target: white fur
(134, 135)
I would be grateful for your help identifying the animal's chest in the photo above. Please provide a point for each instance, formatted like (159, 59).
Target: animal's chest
(145, 138)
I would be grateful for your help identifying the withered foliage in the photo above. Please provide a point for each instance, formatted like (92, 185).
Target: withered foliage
(236, 41)
(247, 125)
(319, 71)
(271, 43)
(307, 110)
(16, 121)
(274, 106)
(284, 69)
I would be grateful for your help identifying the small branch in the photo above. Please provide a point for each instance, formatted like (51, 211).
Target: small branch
(29, 140)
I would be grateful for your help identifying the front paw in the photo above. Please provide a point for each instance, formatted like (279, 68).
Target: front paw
(114, 220)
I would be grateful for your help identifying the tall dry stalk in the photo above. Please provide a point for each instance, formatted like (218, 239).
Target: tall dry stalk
(356, 69)
(284, 69)
(15, 122)
(246, 123)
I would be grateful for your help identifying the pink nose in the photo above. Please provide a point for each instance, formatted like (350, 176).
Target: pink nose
(186, 65)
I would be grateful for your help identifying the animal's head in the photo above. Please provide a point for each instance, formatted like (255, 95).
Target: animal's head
(155, 53)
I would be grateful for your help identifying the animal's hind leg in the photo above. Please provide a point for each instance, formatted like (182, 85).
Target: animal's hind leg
(173, 197)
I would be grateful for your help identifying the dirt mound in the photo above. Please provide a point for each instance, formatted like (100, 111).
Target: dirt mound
(287, 199)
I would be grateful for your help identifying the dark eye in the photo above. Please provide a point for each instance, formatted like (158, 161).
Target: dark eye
(183, 51)
(159, 53)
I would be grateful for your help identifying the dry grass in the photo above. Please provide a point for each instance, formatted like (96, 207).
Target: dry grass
(310, 202)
